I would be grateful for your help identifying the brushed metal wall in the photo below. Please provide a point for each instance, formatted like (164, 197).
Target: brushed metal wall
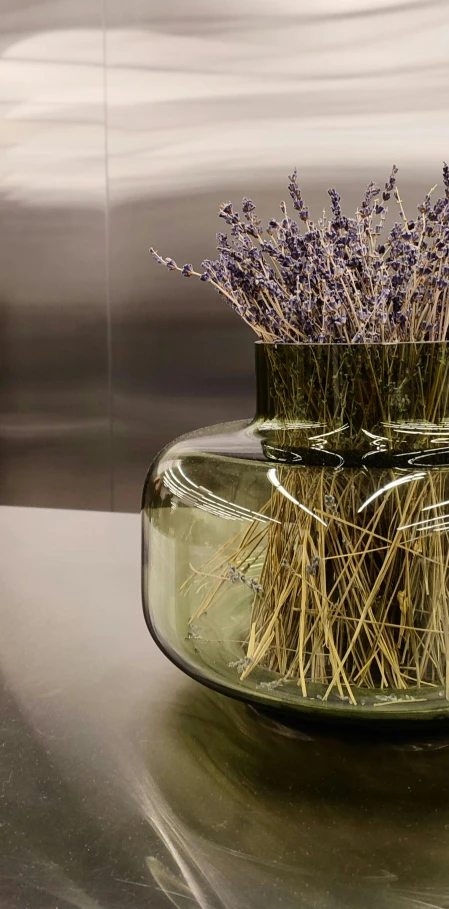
(124, 125)
(54, 394)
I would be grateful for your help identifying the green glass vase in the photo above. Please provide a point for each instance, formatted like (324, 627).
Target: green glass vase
(300, 561)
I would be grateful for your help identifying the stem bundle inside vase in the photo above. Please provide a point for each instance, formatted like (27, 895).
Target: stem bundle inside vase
(351, 604)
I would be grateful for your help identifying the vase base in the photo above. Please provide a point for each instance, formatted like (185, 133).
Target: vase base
(308, 725)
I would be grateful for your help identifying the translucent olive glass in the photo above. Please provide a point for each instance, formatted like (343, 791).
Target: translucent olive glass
(300, 560)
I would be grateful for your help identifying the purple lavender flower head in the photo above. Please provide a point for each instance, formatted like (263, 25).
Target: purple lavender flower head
(156, 256)
(341, 279)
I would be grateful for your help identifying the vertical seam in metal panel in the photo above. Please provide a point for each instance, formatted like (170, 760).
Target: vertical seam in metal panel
(107, 209)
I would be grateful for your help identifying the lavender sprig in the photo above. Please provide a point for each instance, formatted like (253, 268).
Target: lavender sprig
(339, 279)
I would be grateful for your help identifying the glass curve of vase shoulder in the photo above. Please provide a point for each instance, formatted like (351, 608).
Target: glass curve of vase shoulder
(300, 560)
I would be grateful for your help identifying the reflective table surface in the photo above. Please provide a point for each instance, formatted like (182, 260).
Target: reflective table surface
(125, 784)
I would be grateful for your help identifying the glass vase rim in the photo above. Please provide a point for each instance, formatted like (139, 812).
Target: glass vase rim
(375, 345)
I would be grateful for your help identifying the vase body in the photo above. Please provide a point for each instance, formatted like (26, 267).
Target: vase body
(300, 560)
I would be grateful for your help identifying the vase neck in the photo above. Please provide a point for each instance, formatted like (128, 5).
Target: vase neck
(355, 388)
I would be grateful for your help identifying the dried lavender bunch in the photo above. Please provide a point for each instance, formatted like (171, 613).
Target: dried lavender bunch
(340, 279)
